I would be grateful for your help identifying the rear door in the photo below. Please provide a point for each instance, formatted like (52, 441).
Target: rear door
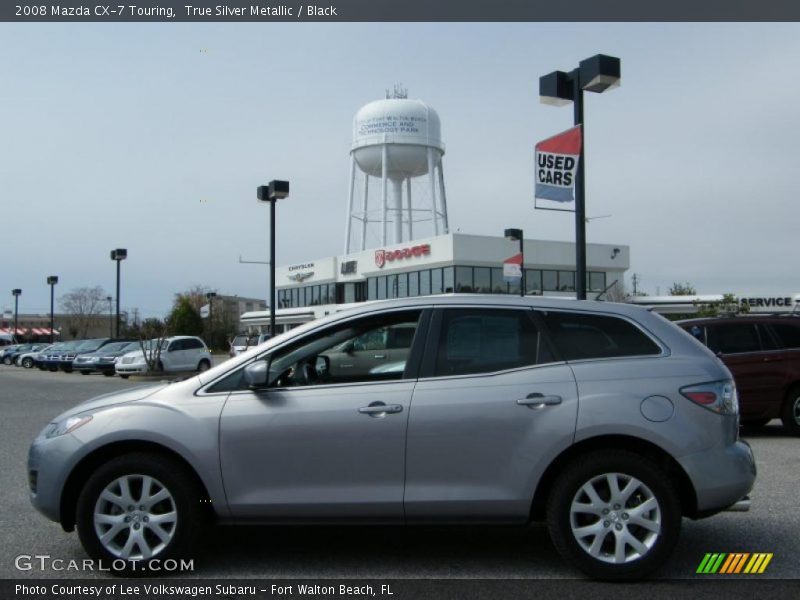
(757, 364)
(491, 409)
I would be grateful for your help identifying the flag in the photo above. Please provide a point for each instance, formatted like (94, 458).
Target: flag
(512, 269)
(557, 165)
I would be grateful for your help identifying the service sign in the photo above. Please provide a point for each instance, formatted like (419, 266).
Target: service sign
(557, 166)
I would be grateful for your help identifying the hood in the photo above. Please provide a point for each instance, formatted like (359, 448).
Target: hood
(112, 399)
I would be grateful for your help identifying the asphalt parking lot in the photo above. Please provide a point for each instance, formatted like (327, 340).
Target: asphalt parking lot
(30, 399)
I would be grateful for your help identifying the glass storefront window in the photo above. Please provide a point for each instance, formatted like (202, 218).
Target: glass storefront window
(381, 288)
(533, 281)
(413, 284)
(402, 285)
(482, 280)
(424, 283)
(498, 283)
(448, 280)
(464, 283)
(566, 281)
(550, 281)
(391, 286)
(437, 286)
(597, 281)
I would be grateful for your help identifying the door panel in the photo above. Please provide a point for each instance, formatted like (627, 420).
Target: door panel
(308, 454)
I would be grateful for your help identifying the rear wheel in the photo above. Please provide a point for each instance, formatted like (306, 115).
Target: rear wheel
(204, 365)
(84, 372)
(790, 414)
(108, 373)
(6, 360)
(138, 508)
(124, 376)
(615, 515)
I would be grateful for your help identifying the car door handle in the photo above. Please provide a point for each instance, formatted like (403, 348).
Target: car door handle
(379, 356)
(379, 409)
(538, 401)
(773, 359)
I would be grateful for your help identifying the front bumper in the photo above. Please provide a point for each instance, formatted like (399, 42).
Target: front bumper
(131, 369)
(721, 476)
(49, 464)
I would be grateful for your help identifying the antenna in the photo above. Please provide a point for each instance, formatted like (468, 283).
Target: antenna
(398, 92)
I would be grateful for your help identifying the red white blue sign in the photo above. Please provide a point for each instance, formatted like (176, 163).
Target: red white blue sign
(557, 165)
(512, 269)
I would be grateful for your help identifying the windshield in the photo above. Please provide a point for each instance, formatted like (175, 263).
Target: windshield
(151, 344)
(239, 340)
(118, 346)
(90, 345)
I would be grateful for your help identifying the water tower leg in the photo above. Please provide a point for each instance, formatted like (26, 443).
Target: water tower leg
(385, 199)
(397, 192)
(410, 212)
(442, 197)
(364, 213)
(432, 179)
(348, 227)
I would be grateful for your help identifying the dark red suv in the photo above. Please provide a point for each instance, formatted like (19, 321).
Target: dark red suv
(763, 353)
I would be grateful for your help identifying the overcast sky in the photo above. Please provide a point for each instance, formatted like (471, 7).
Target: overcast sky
(154, 138)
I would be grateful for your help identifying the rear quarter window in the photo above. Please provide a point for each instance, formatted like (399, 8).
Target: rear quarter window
(585, 336)
(788, 334)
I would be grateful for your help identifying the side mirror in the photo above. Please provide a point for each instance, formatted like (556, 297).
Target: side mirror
(255, 374)
(322, 366)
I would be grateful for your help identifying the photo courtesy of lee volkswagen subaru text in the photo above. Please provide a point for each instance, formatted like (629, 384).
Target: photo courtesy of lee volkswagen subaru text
(604, 420)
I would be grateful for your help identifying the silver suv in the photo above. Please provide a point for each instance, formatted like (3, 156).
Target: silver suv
(605, 420)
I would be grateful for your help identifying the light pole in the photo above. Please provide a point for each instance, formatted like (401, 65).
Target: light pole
(110, 317)
(52, 281)
(118, 255)
(596, 74)
(16, 293)
(210, 296)
(514, 235)
(276, 190)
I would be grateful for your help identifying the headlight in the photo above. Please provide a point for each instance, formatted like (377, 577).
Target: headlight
(68, 425)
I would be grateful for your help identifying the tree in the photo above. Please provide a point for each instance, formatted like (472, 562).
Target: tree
(682, 289)
(82, 305)
(184, 318)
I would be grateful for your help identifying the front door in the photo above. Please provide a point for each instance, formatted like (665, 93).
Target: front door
(314, 446)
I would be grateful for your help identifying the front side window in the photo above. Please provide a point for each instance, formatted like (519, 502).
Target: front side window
(486, 340)
(370, 349)
(788, 334)
(584, 335)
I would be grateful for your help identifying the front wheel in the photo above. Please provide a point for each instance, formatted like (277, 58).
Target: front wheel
(203, 366)
(7, 360)
(27, 363)
(615, 515)
(790, 415)
(138, 508)
(124, 376)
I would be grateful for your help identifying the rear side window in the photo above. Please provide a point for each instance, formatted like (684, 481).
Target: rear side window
(788, 334)
(733, 338)
(581, 335)
(486, 340)
(192, 344)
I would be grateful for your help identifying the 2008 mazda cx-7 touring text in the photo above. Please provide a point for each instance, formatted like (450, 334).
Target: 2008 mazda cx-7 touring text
(605, 420)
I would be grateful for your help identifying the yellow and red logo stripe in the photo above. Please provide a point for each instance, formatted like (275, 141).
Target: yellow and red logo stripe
(734, 563)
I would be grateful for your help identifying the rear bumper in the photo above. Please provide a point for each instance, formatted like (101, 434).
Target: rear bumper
(721, 476)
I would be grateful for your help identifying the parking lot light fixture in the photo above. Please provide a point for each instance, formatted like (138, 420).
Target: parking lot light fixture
(276, 190)
(595, 74)
(52, 280)
(118, 255)
(210, 296)
(110, 317)
(16, 293)
(516, 235)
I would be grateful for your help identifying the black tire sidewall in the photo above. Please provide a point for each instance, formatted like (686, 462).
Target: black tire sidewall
(27, 363)
(173, 476)
(787, 413)
(612, 461)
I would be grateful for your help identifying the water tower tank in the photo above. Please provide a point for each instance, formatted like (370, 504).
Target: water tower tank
(396, 139)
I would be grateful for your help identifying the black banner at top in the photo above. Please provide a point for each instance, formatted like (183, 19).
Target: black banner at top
(239, 11)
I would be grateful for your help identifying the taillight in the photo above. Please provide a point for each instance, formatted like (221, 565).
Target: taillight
(718, 396)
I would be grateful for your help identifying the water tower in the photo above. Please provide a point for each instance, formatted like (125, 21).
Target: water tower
(395, 141)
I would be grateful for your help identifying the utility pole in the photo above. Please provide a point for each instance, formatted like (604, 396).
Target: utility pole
(635, 284)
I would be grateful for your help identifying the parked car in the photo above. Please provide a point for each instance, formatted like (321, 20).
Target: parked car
(243, 342)
(52, 359)
(605, 420)
(104, 359)
(85, 347)
(178, 353)
(12, 358)
(7, 351)
(28, 359)
(763, 353)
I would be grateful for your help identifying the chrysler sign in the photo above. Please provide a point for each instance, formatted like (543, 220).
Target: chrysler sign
(384, 256)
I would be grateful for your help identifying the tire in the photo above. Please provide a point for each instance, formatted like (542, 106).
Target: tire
(7, 360)
(203, 366)
(790, 413)
(84, 372)
(108, 373)
(654, 531)
(755, 424)
(124, 376)
(166, 527)
(160, 366)
(27, 363)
